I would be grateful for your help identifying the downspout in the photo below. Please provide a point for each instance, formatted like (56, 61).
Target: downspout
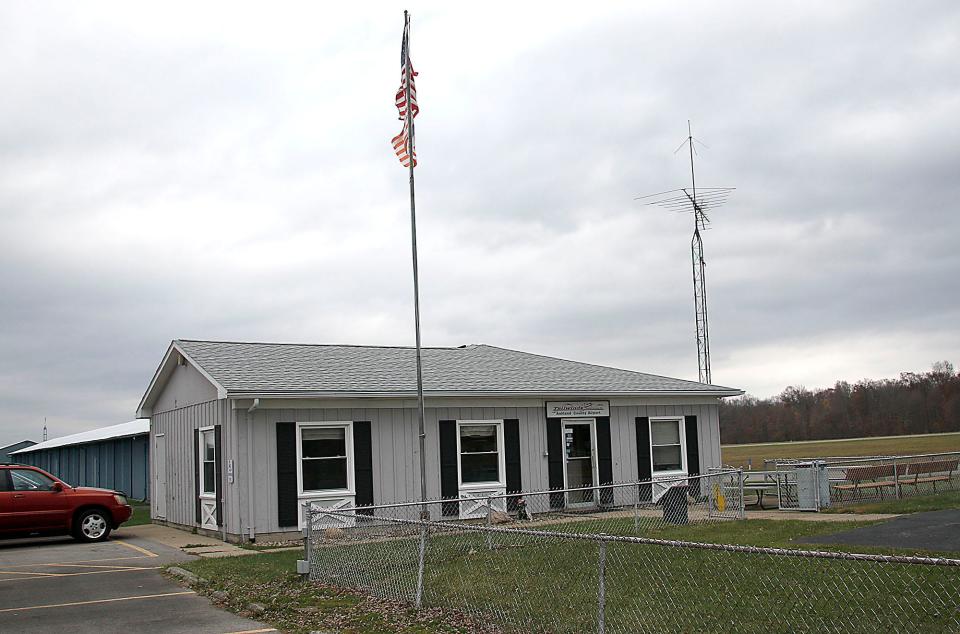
(251, 528)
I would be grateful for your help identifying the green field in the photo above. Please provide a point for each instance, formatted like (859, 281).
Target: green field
(528, 583)
(739, 455)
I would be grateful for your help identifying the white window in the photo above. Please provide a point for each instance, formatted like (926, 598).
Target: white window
(325, 455)
(480, 445)
(666, 445)
(208, 462)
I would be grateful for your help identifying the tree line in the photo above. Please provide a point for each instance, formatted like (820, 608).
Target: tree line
(914, 403)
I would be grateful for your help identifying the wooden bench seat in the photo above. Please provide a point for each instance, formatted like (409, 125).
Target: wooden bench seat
(933, 471)
(869, 477)
(880, 477)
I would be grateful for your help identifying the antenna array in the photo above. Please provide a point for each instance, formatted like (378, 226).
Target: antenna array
(699, 203)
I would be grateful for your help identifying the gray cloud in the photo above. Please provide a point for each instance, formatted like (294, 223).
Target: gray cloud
(229, 176)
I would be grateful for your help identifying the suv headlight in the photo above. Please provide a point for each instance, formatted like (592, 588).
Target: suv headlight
(122, 501)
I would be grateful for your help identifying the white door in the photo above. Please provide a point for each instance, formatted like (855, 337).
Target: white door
(160, 476)
(580, 468)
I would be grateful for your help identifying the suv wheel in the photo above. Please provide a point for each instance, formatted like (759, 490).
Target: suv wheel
(92, 526)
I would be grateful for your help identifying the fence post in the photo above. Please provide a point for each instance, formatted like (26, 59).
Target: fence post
(602, 588)
(742, 508)
(307, 529)
(896, 477)
(418, 600)
(489, 523)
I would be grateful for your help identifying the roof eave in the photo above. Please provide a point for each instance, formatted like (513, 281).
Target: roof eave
(161, 375)
(720, 393)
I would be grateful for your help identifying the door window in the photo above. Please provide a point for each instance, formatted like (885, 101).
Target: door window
(578, 445)
(28, 480)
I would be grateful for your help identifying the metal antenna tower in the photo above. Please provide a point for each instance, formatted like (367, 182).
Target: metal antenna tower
(684, 200)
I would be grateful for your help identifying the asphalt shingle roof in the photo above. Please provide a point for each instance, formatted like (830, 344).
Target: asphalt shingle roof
(273, 368)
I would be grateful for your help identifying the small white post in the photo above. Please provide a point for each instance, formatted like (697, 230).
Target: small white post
(742, 512)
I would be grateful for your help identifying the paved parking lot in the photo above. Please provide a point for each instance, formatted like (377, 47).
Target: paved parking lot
(933, 530)
(57, 584)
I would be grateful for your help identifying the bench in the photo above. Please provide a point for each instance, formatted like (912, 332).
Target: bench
(932, 471)
(881, 476)
(869, 477)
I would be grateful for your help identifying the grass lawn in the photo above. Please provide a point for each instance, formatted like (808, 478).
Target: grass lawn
(738, 455)
(141, 513)
(938, 502)
(293, 605)
(535, 584)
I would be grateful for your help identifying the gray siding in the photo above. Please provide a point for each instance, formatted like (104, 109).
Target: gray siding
(178, 427)
(122, 464)
(186, 386)
(395, 449)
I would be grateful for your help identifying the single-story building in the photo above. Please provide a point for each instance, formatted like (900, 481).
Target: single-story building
(9, 449)
(114, 457)
(242, 434)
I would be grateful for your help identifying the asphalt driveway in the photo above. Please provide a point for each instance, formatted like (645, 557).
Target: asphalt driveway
(57, 584)
(935, 530)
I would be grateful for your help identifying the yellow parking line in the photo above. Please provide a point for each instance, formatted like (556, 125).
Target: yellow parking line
(78, 574)
(65, 605)
(136, 548)
(110, 566)
(79, 561)
(24, 572)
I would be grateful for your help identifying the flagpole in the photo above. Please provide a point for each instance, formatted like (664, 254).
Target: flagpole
(416, 278)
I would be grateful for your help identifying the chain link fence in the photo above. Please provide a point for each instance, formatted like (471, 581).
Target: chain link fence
(510, 578)
(841, 481)
(615, 508)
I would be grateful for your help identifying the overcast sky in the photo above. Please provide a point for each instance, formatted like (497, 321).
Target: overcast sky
(192, 171)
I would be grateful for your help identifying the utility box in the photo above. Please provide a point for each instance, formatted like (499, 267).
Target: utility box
(813, 486)
(675, 505)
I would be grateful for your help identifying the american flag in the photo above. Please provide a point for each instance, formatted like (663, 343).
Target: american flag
(403, 142)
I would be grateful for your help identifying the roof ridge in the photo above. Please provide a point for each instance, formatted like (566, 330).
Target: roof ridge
(316, 345)
(598, 365)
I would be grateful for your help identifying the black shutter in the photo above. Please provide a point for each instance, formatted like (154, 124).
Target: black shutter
(196, 472)
(693, 445)
(449, 485)
(555, 461)
(604, 459)
(693, 453)
(363, 465)
(644, 464)
(218, 468)
(511, 438)
(287, 507)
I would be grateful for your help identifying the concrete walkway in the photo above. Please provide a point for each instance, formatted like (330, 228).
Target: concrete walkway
(190, 543)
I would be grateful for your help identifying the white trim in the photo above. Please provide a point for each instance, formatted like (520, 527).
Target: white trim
(681, 432)
(204, 495)
(350, 491)
(162, 370)
(501, 458)
(594, 467)
(390, 402)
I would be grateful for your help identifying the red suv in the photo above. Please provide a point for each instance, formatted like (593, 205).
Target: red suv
(33, 501)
